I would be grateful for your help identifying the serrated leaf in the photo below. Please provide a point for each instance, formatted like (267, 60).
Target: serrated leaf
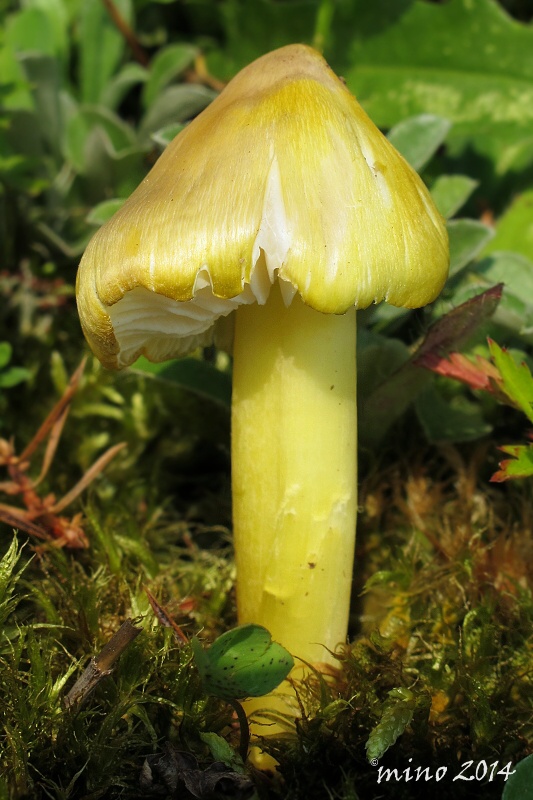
(467, 238)
(418, 138)
(519, 466)
(517, 381)
(476, 375)
(450, 193)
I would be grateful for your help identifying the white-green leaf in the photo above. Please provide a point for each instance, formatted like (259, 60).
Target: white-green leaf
(167, 64)
(120, 84)
(514, 229)
(467, 239)
(450, 193)
(175, 104)
(102, 212)
(101, 46)
(418, 138)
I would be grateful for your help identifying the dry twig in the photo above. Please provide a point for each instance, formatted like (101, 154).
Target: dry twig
(40, 517)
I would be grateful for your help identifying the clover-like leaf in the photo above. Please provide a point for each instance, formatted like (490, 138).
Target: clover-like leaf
(243, 662)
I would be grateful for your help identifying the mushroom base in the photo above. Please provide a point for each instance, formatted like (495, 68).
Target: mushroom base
(294, 473)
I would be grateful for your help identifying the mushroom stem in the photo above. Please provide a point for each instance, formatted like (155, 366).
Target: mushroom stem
(294, 463)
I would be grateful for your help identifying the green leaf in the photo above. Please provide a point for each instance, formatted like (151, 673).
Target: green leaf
(86, 124)
(174, 104)
(57, 14)
(467, 239)
(101, 47)
(221, 750)
(32, 31)
(102, 212)
(397, 713)
(396, 392)
(514, 230)
(164, 136)
(450, 193)
(9, 579)
(418, 138)
(519, 466)
(43, 75)
(13, 376)
(243, 662)
(519, 784)
(378, 357)
(6, 351)
(193, 375)
(14, 86)
(118, 87)
(168, 63)
(464, 60)
(517, 381)
(459, 420)
(515, 311)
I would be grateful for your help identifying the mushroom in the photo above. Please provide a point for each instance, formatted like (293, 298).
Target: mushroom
(283, 206)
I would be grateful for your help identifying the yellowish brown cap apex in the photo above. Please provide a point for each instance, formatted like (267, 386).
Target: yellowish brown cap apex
(282, 176)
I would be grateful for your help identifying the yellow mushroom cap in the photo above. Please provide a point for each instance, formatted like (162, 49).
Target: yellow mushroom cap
(282, 176)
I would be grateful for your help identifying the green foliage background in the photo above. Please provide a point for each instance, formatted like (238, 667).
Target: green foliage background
(86, 106)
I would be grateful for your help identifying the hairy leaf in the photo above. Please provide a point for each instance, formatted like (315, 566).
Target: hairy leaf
(418, 138)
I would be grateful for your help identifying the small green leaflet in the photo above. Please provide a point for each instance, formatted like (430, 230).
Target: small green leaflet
(243, 662)
(519, 466)
(517, 382)
(396, 715)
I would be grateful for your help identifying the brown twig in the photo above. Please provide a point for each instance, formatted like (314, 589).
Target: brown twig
(102, 664)
(40, 517)
(129, 35)
(164, 617)
(201, 74)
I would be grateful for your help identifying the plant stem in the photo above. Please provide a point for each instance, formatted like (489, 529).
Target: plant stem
(244, 729)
